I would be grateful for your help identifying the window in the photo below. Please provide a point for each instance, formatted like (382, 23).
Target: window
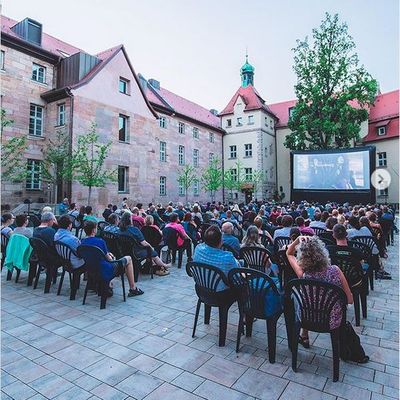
(181, 189)
(123, 135)
(210, 158)
(196, 133)
(61, 114)
(266, 121)
(271, 173)
(163, 186)
(239, 121)
(266, 151)
(271, 149)
(248, 174)
(211, 137)
(382, 131)
(228, 123)
(163, 122)
(2, 58)
(248, 150)
(271, 123)
(234, 174)
(196, 187)
(251, 120)
(384, 192)
(38, 73)
(36, 120)
(382, 161)
(181, 155)
(181, 127)
(123, 173)
(195, 158)
(123, 86)
(33, 178)
(163, 151)
(233, 151)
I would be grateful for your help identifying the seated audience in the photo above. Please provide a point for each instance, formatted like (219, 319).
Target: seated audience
(258, 222)
(73, 211)
(113, 220)
(183, 240)
(190, 228)
(305, 230)
(137, 220)
(287, 222)
(317, 223)
(330, 223)
(21, 222)
(107, 212)
(45, 230)
(228, 238)
(89, 214)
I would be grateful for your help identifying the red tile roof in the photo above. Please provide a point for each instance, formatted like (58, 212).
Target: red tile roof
(251, 98)
(281, 110)
(384, 112)
(49, 43)
(177, 104)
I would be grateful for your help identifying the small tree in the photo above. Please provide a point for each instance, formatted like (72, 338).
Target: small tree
(88, 162)
(332, 89)
(234, 177)
(256, 178)
(212, 177)
(186, 178)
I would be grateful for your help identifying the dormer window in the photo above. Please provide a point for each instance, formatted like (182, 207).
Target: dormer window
(123, 86)
(29, 30)
(382, 131)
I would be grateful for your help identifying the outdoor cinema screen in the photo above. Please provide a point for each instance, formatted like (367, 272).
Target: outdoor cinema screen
(331, 170)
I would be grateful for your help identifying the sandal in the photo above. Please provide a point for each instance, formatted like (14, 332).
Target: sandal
(135, 292)
(305, 342)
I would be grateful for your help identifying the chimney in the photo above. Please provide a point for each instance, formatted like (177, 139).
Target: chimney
(142, 83)
(214, 111)
(154, 83)
(29, 30)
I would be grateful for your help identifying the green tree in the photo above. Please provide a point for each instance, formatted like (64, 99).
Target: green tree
(186, 178)
(256, 178)
(13, 165)
(234, 178)
(332, 89)
(88, 161)
(212, 177)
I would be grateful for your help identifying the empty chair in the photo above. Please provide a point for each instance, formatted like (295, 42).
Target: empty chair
(212, 289)
(256, 257)
(258, 297)
(314, 302)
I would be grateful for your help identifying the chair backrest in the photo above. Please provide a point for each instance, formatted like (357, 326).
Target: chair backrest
(226, 247)
(111, 240)
(280, 242)
(4, 243)
(152, 235)
(93, 256)
(170, 236)
(101, 225)
(265, 240)
(349, 265)
(255, 257)
(41, 250)
(252, 287)
(369, 241)
(318, 231)
(317, 301)
(126, 245)
(362, 247)
(286, 272)
(65, 252)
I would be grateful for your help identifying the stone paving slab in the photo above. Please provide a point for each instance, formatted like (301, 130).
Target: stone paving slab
(54, 348)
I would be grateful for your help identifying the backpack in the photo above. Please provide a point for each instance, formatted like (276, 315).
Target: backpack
(350, 345)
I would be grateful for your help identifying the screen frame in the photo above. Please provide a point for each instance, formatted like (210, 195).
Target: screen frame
(356, 195)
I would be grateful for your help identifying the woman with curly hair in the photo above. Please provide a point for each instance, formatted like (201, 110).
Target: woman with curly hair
(312, 261)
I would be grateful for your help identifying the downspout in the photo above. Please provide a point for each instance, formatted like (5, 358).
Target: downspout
(223, 171)
(71, 123)
(276, 161)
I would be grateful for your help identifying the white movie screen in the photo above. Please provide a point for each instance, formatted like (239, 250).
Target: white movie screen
(332, 171)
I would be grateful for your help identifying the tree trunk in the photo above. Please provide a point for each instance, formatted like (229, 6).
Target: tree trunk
(89, 196)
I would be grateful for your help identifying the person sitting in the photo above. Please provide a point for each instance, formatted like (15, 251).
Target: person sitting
(156, 217)
(107, 212)
(6, 221)
(229, 239)
(305, 230)
(341, 219)
(141, 245)
(89, 214)
(180, 211)
(210, 253)
(330, 223)
(21, 222)
(258, 222)
(110, 267)
(230, 218)
(312, 262)
(197, 217)
(356, 229)
(113, 221)
(183, 240)
(45, 230)
(190, 228)
(137, 220)
(64, 235)
(317, 223)
(152, 234)
(287, 222)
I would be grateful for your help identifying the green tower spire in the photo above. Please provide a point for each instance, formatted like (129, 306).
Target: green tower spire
(247, 73)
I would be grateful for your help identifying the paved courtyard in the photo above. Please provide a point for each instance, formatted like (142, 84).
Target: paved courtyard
(142, 349)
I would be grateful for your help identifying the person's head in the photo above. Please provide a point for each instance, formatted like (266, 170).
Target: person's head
(88, 210)
(187, 217)
(72, 206)
(227, 228)
(90, 228)
(135, 211)
(46, 209)
(304, 214)
(109, 206)
(196, 209)
(152, 209)
(252, 236)
(324, 216)
(294, 233)
(279, 220)
(335, 212)
(169, 209)
(139, 206)
(180, 206)
(361, 212)
(21, 220)
(372, 217)
(287, 221)
(66, 201)
(174, 217)
(339, 232)
(341, 219)
(125, 221)
(261, 212)
(82, 210)
(7, 219)
(65, 222)
(385, 209)
(258, 222)
(213, 236)
(312, 255)
(364, 221)
(299, 221)
(48, 219)
(113, 219)
(317, 216)
(114, 208)
(149, 220)
(353, 221)
(229, 214)
(330, 223)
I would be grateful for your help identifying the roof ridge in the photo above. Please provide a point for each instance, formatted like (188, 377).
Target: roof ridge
(119, 47)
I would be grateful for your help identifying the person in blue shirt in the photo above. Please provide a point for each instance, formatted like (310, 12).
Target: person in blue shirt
(64, 206)
(210, 253)
(111, 268)
(228, 238)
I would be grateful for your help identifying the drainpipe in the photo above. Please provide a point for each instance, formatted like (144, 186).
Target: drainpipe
(223, 171)
(71, 123)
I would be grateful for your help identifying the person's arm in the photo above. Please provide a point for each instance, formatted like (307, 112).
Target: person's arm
(292, 258)
(345, 287)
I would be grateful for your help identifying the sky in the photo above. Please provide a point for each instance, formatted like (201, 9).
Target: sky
(195, 48)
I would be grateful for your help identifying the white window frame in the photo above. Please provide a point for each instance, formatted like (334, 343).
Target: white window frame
(163, 185)
(2, 59)
(61, 114)
(233, 151)
(382, 131)
(35, 119)
(196, 158)
(239, 121)
(195, 132)
(124, 118)
(234, 174)
(163, 122)
(163, 151)
(382, 159)
(38, 73)
(196, 187)
(181, 188)
(181, 155)
(211, 137)
(250, 120)
(181, 128)
(248, 150)
(248, 174)
(34, 175)
(126, 87)
(126, 178)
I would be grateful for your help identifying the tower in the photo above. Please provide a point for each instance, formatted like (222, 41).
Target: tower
(247, 73)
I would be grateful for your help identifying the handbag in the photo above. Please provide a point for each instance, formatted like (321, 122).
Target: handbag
(350, 345)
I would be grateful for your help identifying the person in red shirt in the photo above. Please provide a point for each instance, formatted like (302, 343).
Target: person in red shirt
(183, 238)
(275, 213)
(137, 220)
